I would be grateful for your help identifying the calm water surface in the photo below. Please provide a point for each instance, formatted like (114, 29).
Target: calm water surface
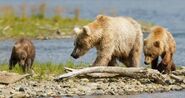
(168, 13)
(174, 94)
(58, 51)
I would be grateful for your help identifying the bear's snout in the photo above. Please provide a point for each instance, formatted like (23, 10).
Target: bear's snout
(74, 55)
(22, 62)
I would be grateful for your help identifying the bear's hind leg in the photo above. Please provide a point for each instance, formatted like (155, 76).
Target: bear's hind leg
(135, 53)
(28, 65)
(134, 61)
(135, 56)
(112, 62)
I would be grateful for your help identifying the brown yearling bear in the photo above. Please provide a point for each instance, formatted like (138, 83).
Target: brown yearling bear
(115, 38)
(160, 42)
(23, 53)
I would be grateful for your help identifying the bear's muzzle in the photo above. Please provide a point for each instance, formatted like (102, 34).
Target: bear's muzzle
(74, 55)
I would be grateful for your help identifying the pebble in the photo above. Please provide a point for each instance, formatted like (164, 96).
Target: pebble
(2, 86)
(21, 89)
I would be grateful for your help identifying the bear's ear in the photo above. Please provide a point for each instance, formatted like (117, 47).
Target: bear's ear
(157, 44)
(101, 17)
(86, 30)
(17, 45)
(77, 30)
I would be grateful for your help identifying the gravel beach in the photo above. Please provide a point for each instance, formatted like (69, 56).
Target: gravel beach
(81, 86)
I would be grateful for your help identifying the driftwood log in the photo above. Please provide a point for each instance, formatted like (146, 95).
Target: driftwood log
(9, 78)
(136, 73)
(95, 75)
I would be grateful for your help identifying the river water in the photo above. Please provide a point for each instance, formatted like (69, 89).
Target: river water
(174, 94)
(169, 13)
(58, 51)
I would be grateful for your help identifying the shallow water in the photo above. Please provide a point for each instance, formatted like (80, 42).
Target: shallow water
(58, 51)
(54, 51)
(167, 13)
(172, 94)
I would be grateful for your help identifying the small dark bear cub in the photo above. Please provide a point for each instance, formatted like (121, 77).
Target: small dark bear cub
(23, 53)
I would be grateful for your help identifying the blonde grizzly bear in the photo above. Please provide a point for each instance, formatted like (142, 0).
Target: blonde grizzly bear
(115, 38)
(161, 43)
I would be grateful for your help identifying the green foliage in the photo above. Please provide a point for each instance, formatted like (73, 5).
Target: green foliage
(40, 26)
(35, 26)
(45, 70)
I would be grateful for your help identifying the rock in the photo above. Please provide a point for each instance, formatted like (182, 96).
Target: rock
(2, 86)
(98, 92)
(175, 87)
(18, 95)
(2, 96)
(184, 81)
(85, 80)
(21, 89)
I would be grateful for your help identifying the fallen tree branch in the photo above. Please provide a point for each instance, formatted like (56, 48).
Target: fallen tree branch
(128, 72)
(95, 75)
(67, 69)
(8, 78)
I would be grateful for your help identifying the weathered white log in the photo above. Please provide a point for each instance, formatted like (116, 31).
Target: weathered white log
(128, 72)
(95, 75)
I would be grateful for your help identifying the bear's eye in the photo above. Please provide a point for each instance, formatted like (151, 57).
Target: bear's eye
(79, 45)
(23, 58)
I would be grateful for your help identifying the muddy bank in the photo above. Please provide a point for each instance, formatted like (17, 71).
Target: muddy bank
(80, 86)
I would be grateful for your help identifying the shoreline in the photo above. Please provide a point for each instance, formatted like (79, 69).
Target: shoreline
(87, 86)
(41, 38)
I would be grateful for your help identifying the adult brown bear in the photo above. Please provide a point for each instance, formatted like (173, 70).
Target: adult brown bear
(115, 38)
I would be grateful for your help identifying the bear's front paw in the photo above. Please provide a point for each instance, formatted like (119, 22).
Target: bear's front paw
(161, 67)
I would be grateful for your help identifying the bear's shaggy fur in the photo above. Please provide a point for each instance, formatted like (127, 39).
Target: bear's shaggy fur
(115, 38)
(23, 53)
(160, 42)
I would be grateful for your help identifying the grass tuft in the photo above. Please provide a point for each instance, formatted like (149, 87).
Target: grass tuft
(45, 70)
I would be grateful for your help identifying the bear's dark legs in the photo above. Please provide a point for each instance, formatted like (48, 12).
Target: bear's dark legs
(155, 63)
(24, 68)
(173, 68)
(12, 63)
(28, 65)
(112, 62)
(166, 64)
